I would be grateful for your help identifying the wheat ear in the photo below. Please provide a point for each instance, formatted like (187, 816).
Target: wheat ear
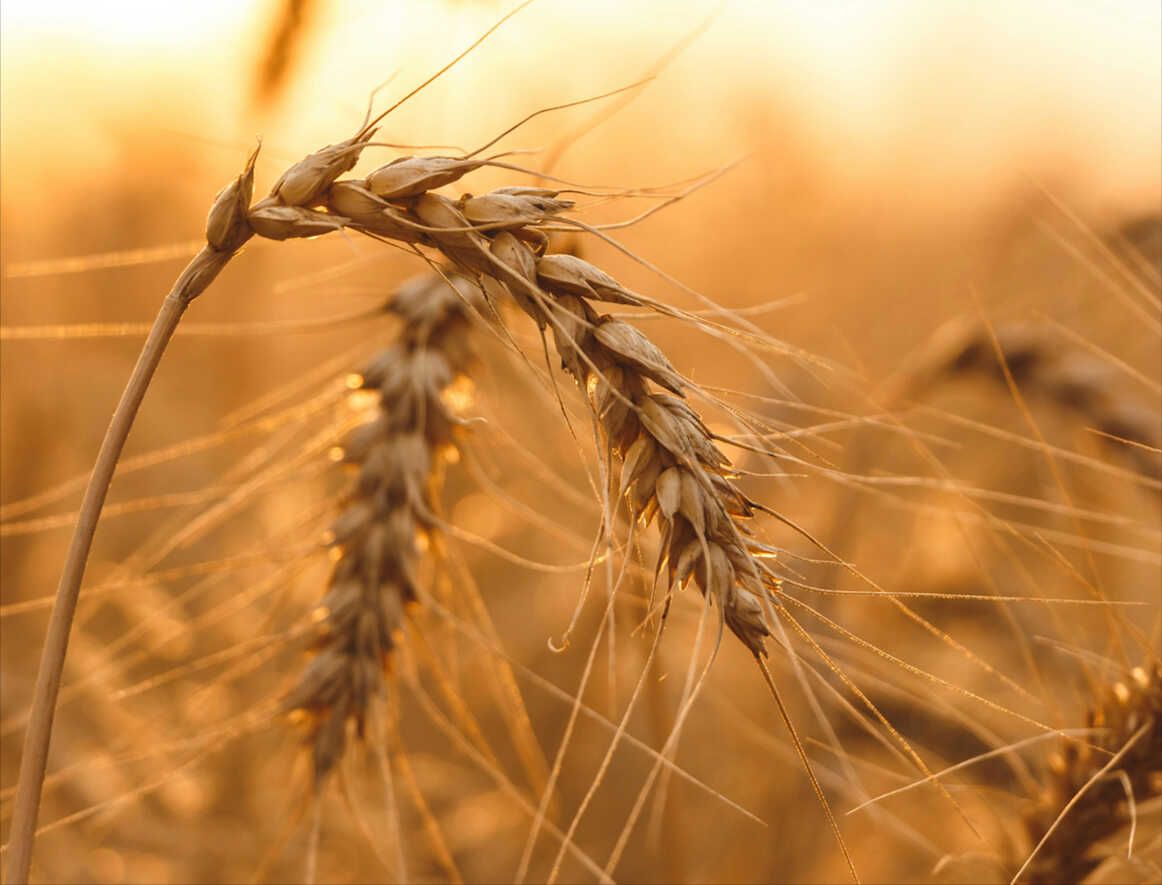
(227, 230)
(399, 455)
(671, 468)
(1074, 381)
(674, 467)
(1086, 799)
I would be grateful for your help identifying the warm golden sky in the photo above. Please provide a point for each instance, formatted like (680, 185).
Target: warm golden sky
(980, 88)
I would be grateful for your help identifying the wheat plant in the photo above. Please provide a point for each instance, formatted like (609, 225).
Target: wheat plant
(423, 619)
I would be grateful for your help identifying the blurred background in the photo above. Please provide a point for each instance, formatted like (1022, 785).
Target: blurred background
(910, 175)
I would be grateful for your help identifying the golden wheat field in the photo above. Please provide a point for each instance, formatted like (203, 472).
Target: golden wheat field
(640, 442)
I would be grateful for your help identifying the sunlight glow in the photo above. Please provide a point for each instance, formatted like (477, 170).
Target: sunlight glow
(120, 23)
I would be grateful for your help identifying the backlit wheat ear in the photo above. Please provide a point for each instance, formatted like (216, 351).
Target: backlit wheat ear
(399, 455)
(1090, 796)
(671, 468)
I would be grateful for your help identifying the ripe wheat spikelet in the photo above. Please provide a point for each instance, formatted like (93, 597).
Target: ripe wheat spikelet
(1091, 789)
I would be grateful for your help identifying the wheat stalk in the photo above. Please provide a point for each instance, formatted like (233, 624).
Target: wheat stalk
(227, 231)
(292, 28)
(671, 468)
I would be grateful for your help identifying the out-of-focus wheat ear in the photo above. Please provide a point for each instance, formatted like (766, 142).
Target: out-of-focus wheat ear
(227, 230)
(398, 454)
(1056, 371)
(1091, 788)
(289, 32)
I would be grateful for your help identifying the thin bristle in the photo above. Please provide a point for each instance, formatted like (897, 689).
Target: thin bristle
(802, 754)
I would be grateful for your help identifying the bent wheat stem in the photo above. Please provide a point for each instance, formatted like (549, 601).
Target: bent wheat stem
(199, 273)
(227, 230)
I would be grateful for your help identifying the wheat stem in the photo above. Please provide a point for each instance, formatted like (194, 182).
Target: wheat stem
(199, 273)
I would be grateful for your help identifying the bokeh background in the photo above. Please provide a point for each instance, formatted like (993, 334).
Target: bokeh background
(902, 166)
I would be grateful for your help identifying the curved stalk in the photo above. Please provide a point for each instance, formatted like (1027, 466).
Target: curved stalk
(199, 273)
